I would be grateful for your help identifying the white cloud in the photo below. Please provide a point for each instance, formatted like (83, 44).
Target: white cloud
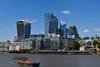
(34, 20)
(96, 29)
(66, 12)
(86, 31)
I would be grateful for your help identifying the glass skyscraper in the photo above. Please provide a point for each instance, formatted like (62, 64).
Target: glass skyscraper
(63, 30)
(51, 23)
(73, 33)
(23, 29)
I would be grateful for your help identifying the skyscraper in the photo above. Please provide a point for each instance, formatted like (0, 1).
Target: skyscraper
(23, 29)
(63, 29)
(51, 23)
(63, 34)
(72, 32)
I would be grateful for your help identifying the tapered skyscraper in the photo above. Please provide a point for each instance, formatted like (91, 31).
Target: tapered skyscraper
(23, 29)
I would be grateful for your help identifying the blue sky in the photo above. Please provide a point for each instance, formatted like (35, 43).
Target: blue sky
(85, 14)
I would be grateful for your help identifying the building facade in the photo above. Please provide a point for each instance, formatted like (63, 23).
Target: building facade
(73, 33)
(51, 23)
(23, 29)
(63, 30)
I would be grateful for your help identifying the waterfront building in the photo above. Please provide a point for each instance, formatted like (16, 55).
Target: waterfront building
(50, 42)
(54, 41)
(62, 42)
(23, 29)
(88, 43)
(69, 41)
(42, 44)
(51, 23)
(47, 43)
(14, 46)
(33, 44)
(25, 45)
(4, 45)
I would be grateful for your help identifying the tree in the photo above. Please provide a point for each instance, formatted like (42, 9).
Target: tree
(76, 45)
(67, 47)
(95, 43)
(8, 45)
(92, 38)
(86, 38)
(98, 45)
(8, 41)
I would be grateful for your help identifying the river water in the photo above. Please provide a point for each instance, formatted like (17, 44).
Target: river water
(9, 60)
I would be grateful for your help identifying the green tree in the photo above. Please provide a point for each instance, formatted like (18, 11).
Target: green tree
(98, 45)
(8, 41)
(8, 45)
(95, 43)
(76, 45)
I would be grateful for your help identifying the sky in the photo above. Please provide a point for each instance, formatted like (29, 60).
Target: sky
(85, 14)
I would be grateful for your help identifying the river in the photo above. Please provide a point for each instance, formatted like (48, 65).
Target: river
(8, 60)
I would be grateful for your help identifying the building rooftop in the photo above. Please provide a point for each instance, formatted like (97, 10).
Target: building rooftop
(25, 20)
(62, 22)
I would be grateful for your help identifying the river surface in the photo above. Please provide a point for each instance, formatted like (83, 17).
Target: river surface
(9, 60)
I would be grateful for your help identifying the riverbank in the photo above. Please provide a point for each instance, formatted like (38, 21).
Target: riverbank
(67, 52)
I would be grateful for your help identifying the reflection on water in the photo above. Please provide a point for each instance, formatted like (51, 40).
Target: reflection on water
(8, 60)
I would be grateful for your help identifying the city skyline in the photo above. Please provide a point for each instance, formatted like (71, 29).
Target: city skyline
(83, 14)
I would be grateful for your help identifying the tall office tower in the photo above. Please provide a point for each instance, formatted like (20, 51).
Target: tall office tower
(23, 29)
(62, 32)
(63, 29)
(51, 23)
(73, 33)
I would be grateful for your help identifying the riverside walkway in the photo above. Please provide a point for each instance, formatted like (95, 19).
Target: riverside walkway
(72, 52)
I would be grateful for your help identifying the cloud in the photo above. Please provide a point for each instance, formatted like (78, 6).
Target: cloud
(86, 31)
(34, 20)
(66, 12)
(96, 29)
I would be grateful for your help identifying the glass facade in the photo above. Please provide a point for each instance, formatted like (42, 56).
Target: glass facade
(51, 23)
(47, 18)
(27, 30)
(63, 30)
(20, 30)
(23, 29)
(72, 32)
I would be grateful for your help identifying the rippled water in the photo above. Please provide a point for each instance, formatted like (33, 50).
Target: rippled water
(9, 60)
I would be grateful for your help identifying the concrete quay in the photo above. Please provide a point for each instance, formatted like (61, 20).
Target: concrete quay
(64, 52)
